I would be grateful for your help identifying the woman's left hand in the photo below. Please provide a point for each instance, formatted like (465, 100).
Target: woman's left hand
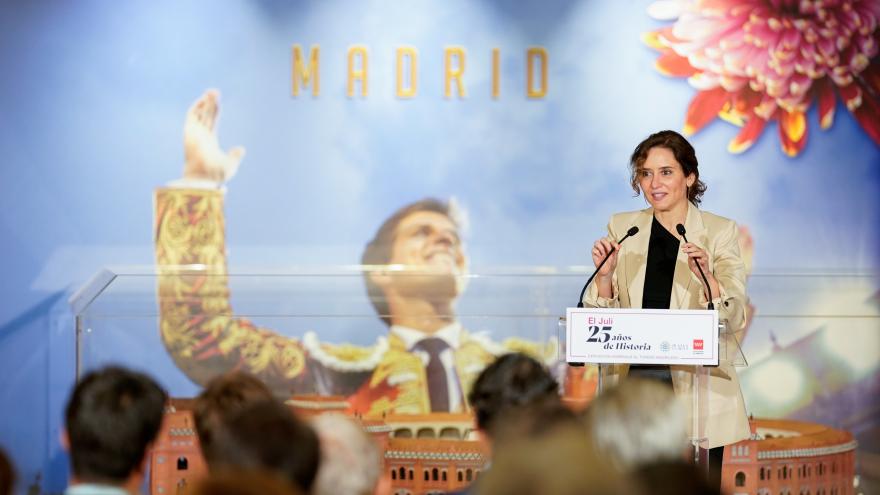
(696, 254)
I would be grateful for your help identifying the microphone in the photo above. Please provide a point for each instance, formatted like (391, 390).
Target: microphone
(680, 229)
(629, 233)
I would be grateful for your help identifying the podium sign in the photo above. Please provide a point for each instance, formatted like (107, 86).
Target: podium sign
(642, 336)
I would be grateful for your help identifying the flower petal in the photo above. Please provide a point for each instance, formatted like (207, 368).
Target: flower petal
(852, 96)
(747, 135)
(792, 131)
(704, 81)
(871, 75)
(695, 26)
(674, 65)
(716, 7)
(746, 100)
(867, 115)
(703, 108)
(824, 91)
(659, 39)
(665, 10)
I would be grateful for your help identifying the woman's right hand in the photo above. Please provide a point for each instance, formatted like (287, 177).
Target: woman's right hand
(600, 249)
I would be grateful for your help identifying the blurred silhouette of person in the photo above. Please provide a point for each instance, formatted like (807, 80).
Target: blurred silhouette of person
(351, 462)
(638, 422)
(7, 474)
(512, 381)
(222, 398)
(559, 461)
(267, 436)
(234, 482)
(112, 418)
(673, 478)
(515, 397)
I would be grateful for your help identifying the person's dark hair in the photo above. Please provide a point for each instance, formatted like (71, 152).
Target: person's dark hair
(234, 482)
(378, 250)
(559, 462)
(223, 396)
(512, 380)
(7, 474)
(674, 478)
(268, 436)
(541, 417)
(684, 154)
(112, 417)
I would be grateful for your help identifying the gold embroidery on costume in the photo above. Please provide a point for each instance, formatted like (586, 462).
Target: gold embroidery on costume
(197, 325)
(347, 352)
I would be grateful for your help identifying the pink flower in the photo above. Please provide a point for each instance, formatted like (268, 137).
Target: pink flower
(754, 61)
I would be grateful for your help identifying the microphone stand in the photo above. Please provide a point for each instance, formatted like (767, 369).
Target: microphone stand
(681, 232)
(629, 233)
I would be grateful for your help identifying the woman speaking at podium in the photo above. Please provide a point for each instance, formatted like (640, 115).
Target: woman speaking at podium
(657, 268)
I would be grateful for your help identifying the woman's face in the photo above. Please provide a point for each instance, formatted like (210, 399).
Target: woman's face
(663, 181)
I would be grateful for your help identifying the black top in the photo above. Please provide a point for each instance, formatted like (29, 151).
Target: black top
(660, 267)
(659, 271)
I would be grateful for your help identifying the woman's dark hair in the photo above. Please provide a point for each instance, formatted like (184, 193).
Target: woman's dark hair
(684, 155)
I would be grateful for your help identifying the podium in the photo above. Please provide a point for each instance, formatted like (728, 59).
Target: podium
(695, 340)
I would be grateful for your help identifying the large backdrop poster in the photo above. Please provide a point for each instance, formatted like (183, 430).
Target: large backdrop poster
(523, 113)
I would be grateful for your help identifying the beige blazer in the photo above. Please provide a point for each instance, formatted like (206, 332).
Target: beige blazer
(726, 421)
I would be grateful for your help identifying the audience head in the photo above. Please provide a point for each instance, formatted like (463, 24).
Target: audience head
(235, 482)
(638, 422)
(539, 418)
(513, 380)
(7, 474)
(559, 462)
(267, 436)
(674, 478)
(112, 417)
(224, 396)
(350, 459)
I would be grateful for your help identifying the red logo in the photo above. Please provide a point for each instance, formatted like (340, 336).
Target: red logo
(698, 344)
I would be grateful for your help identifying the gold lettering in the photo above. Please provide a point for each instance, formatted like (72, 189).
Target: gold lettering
(408, 90)
(354, 52)
(302, 74)
(453, 73)
(532, 53)
(306, 71)
(496, 62)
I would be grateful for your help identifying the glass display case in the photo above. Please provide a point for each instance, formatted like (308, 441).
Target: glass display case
(171, 321)
(119, 317)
